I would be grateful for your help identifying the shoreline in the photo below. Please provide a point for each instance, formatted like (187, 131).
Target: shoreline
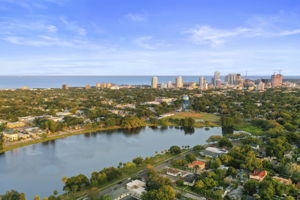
(77, 132)
(54, 137)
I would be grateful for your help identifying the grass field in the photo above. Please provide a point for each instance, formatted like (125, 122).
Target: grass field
(197, 116)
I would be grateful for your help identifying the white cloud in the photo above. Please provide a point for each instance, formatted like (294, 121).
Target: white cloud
(72, 26)
(136, 17)
(215, 37)
(147, 42)
(52, 28)
(290, 32)
(212, 36)
(48, 41)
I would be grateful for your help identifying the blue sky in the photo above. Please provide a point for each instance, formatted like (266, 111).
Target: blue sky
(149, 37)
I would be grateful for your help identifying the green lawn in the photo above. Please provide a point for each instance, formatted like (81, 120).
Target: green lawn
(197, 116)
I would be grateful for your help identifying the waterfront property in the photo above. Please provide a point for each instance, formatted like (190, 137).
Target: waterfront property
(44, 164)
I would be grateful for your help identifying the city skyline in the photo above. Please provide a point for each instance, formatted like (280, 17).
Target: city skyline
(51, 37)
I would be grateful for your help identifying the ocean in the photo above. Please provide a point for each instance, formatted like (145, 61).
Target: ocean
(14, 82)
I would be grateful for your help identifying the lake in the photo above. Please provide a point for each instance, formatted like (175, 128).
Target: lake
(38, 169)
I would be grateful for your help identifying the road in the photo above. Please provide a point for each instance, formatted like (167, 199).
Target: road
(143, 173)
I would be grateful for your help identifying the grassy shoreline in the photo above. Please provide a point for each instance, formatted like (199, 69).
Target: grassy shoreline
(211, 123)
(54, 137)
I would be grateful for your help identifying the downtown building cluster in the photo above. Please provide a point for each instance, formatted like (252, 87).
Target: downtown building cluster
(230, 81)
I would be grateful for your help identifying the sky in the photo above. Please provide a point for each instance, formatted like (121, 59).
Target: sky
(149, 37)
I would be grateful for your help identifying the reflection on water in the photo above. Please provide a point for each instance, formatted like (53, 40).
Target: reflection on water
(227, 131)
(37, 169)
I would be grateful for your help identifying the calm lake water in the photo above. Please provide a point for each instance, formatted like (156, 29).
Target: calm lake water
(39, 168)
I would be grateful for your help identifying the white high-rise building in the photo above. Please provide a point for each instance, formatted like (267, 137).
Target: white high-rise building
(154, 83)
(179, 82)
(216, 79)
(170, 84)
(261, 86)
(202, 83)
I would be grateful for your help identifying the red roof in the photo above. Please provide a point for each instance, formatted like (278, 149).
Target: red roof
(259, 173)
(196, 163)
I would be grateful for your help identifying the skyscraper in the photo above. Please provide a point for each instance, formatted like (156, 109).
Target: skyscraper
(154, 82)
(276, 80)
(179, 82)
(216, 79)
(170, 84)
(261, 86)
(231, 79)
(202, 83)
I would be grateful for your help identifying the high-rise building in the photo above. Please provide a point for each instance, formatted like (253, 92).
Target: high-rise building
(276, 80)
(202, 83)
(170, 84)
(154, 82)
(261, 86)
(231, 79)
(216, 79)
(87, 86)
(163, 85)
(179, 82)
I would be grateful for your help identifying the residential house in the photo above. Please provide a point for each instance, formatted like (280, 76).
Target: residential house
(15, 124)
(136, 188)
(11, 136)
(198, 165)
(119, 194)
(176, 172)
(258, 175)
(282, 180)
(189, 180)
(213, 152)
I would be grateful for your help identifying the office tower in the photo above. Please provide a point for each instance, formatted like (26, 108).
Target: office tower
(239, 79)
(231, 79)
(261, 86)
(65, 86)
(202, 82)
(170, 84)
(276, 80)
(216, 79)
(179, 82)
(163, 85)
(154, 82)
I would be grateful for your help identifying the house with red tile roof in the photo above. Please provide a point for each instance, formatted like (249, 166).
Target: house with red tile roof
(258, 175)
(198, 164)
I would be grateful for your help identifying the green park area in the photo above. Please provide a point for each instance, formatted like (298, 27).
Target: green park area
(201, 118)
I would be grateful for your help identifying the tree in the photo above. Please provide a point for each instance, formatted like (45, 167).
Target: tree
(166, 192)
(175, 150)
(227, 121)
(138, 160)
(104, 198)
(1, 141)
(13, 195)
(190, 157)
(154, 181)
(250, 187)
(36, 197)
(198, 148)
(225, 142)
(76, 183)
(266, 189)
